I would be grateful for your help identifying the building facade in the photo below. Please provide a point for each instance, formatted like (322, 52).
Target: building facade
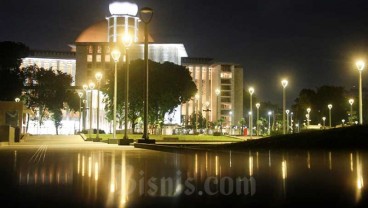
(220, 91)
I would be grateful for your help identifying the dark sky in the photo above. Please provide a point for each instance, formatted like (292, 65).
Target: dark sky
(311, 42)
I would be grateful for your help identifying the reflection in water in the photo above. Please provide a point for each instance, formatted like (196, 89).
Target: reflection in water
(359, 179)
(114, 178)
(250, 165)
(330, 160)
(351, 162)
(308, 160)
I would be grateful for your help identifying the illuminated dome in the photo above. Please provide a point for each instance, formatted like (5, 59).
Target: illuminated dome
(98, 33)
(94, 33)
(123, 8)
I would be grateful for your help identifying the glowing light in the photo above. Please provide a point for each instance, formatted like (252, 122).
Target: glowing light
(115, 54)
(251, 90)
(127, 40)
(351, 101)
(98, 76)
(360, 65)
(123, 8)
(83, 165)
(250, 165)
(284, 83)
(351, 162)
(216, 170)
(308, 160)
(78, 163)
(284, 169)
(196, 163)
(89, 167)
(96, 171)
(330, 160)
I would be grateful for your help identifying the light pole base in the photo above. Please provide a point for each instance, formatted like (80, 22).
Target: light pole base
(125, 141)
(147, 141)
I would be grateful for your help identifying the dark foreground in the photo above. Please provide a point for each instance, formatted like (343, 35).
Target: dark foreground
(74, 175)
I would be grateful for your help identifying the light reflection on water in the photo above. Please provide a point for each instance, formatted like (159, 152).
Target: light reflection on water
(117, 178)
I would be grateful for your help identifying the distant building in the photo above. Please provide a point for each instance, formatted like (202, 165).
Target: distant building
(209, 76)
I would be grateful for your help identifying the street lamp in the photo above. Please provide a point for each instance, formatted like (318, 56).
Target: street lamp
(196, 108)
(308, 111)
(91, 86)
(127, 41)
(17, 100)
(257, 106)
(115, 54)
(230, 115)
(269, 122)
(218, 91)
(85, 103)
(351, 102)
(284, 83)
(291, 122)
(360, 66)
(145, 15)
(307, 117)
(343, 122)
(207, 110)
(80, 94)
(329, 113)
(287, 120)
(324, 122)
(98, 77)
(251, 91)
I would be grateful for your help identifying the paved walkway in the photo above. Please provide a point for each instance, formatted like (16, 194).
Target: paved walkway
(60, 141)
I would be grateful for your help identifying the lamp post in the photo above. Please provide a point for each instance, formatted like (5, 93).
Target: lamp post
(360, 66)
(308, 111)
(115, 54)
(251, 91)
(343, 122)
(207, 110)
(217, 91)
(230, 116)
(284, 83)
(98, 77)
(307, 117)
(80, 95)
(269, 122)
(287, 121)
(91, 86)
(196, 108)
(145, 15)
(257, 122)
(329, 113)
(291, 122)
(127, 41)
(324, 122)
(351, 102)
(85, 103)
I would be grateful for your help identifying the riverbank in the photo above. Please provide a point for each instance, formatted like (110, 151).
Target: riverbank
(354, 137)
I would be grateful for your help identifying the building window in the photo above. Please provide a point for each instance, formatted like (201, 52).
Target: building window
(107, 50)
(89, 58)
(226, 75)
(225, 81)
(90, 49)
(107, 58)
(99, 49)
(98, 58)
(89, 65)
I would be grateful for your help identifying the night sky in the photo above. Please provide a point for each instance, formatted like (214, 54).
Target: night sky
(311, 42)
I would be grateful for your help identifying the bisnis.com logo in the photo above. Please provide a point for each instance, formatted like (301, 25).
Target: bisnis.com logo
(180, 185)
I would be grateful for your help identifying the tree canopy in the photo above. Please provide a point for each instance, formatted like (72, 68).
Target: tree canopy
(169, 86)
(11, 54)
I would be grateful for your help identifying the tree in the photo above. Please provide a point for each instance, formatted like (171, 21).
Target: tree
(46, 90)
(11, 54)
(318, 100)
(169, 86)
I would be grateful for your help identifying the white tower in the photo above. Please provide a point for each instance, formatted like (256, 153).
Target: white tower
(122, 21)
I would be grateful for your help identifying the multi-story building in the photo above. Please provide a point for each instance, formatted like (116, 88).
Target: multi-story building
(210, 77)
(91, 53)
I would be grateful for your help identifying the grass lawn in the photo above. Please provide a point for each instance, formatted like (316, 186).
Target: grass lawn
(183, 138)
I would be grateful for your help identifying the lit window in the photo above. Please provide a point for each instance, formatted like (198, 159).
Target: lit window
(98, 58)
(99, 49)
(107, 58)
(107, 50)
(89, 58)
(90, 49)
